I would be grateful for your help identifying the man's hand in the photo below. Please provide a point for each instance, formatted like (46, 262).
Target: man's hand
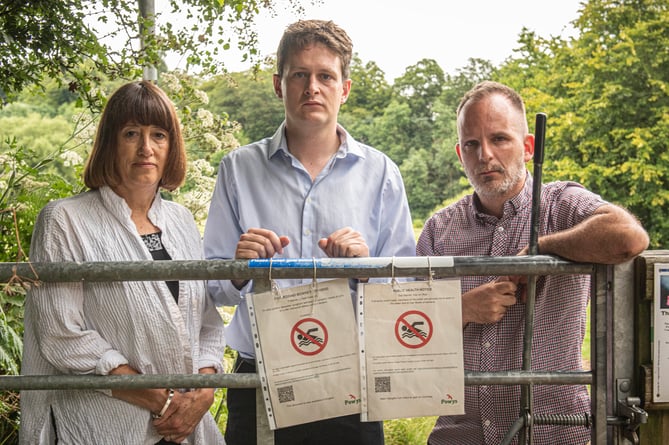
(344, 243)
(258, 243)
(489, 302)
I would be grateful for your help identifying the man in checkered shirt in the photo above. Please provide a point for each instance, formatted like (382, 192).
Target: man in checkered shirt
(494, 145)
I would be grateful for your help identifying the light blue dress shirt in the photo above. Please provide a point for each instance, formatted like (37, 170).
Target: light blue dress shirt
(262, 185)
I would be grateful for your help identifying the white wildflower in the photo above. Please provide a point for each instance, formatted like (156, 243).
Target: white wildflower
(213, 141)
(230, 141)
(7, 161)
(170, 82)
(201, 167)
(31, 184)
(227, 318)
(205, 117)
(71, 158)
(201, 96)
(21, 207)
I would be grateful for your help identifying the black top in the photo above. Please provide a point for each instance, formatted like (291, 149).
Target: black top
(155, 245)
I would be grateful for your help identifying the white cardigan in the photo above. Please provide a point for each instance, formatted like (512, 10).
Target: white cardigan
(94, 327)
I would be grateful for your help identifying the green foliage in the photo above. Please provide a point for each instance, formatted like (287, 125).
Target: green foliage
(74, 42)
(607, 99)
(370, 92)
(248, 97)
(43, 39)
(26, 185)
(408, 431)
(420, 86)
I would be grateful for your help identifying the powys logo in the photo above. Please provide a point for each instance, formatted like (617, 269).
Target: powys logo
(449, 400)
(352, 400)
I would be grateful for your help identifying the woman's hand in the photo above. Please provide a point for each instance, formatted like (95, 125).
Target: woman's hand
(184, 414)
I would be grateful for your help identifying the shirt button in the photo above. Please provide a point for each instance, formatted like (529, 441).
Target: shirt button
(486, 344)
(500, 229)
(486, 423)
(307, 232)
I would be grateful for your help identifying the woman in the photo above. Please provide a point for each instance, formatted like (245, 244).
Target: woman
(120, 328)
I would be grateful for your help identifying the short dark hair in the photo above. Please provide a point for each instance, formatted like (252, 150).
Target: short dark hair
(303, 33)
(488, 88)
(142, 103)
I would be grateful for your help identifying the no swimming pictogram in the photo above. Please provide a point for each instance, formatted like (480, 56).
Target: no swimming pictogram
(309, 336)
(413, 329)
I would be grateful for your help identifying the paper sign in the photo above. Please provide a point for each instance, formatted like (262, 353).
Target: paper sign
(660, 334)
(411, 349)
(307, 351)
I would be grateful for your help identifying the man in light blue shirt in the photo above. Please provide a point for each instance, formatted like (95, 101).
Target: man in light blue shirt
(310, 190)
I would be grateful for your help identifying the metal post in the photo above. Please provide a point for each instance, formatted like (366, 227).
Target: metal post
(147, 9)
(526, 408)
(599, 344)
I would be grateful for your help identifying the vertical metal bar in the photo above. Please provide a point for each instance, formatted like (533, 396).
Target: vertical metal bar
(147, 9)
(264, 435)
(598, 354)
(538, 161)
(526, 410)
(608, 327)
(622, 328)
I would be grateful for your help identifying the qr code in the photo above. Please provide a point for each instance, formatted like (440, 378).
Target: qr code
(286, 394)
(381, 384)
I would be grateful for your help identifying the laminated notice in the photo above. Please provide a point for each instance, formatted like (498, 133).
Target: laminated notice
(306, 346)
(411, 354)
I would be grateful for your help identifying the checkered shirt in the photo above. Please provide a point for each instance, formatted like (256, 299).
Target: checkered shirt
(461, 229)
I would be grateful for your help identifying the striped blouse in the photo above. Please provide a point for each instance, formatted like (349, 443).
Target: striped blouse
(91, 328)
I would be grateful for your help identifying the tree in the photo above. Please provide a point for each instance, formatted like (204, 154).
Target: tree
(606, 97)
(369, 98)
(45, 39)
(248, 97)
(394, 131)
(420, 86)
(370, 92)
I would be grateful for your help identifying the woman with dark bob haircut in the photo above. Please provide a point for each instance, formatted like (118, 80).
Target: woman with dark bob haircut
(144, 103)
(122, 327)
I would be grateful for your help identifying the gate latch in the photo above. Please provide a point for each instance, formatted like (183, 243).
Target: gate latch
(635, 415)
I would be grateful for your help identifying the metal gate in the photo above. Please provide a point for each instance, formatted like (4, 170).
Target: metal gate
(615, 415)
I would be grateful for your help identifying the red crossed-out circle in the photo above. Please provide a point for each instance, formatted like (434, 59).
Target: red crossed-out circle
(406, 330)
(304, 339)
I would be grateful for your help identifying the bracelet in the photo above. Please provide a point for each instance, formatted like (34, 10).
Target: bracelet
(166, 405)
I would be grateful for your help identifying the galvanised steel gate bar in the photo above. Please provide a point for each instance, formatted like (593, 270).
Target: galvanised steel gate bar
(439, 267)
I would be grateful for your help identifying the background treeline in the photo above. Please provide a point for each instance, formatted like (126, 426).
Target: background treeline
(605, 91)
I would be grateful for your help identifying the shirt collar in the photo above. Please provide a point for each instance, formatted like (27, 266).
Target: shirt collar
(117, 206)
(347, 145)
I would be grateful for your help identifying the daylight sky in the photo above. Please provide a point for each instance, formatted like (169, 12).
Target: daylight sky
(398, 33)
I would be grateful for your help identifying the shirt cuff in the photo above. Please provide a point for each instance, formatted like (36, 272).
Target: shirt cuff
(211, 362)
(224, 293)
(111, 359)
